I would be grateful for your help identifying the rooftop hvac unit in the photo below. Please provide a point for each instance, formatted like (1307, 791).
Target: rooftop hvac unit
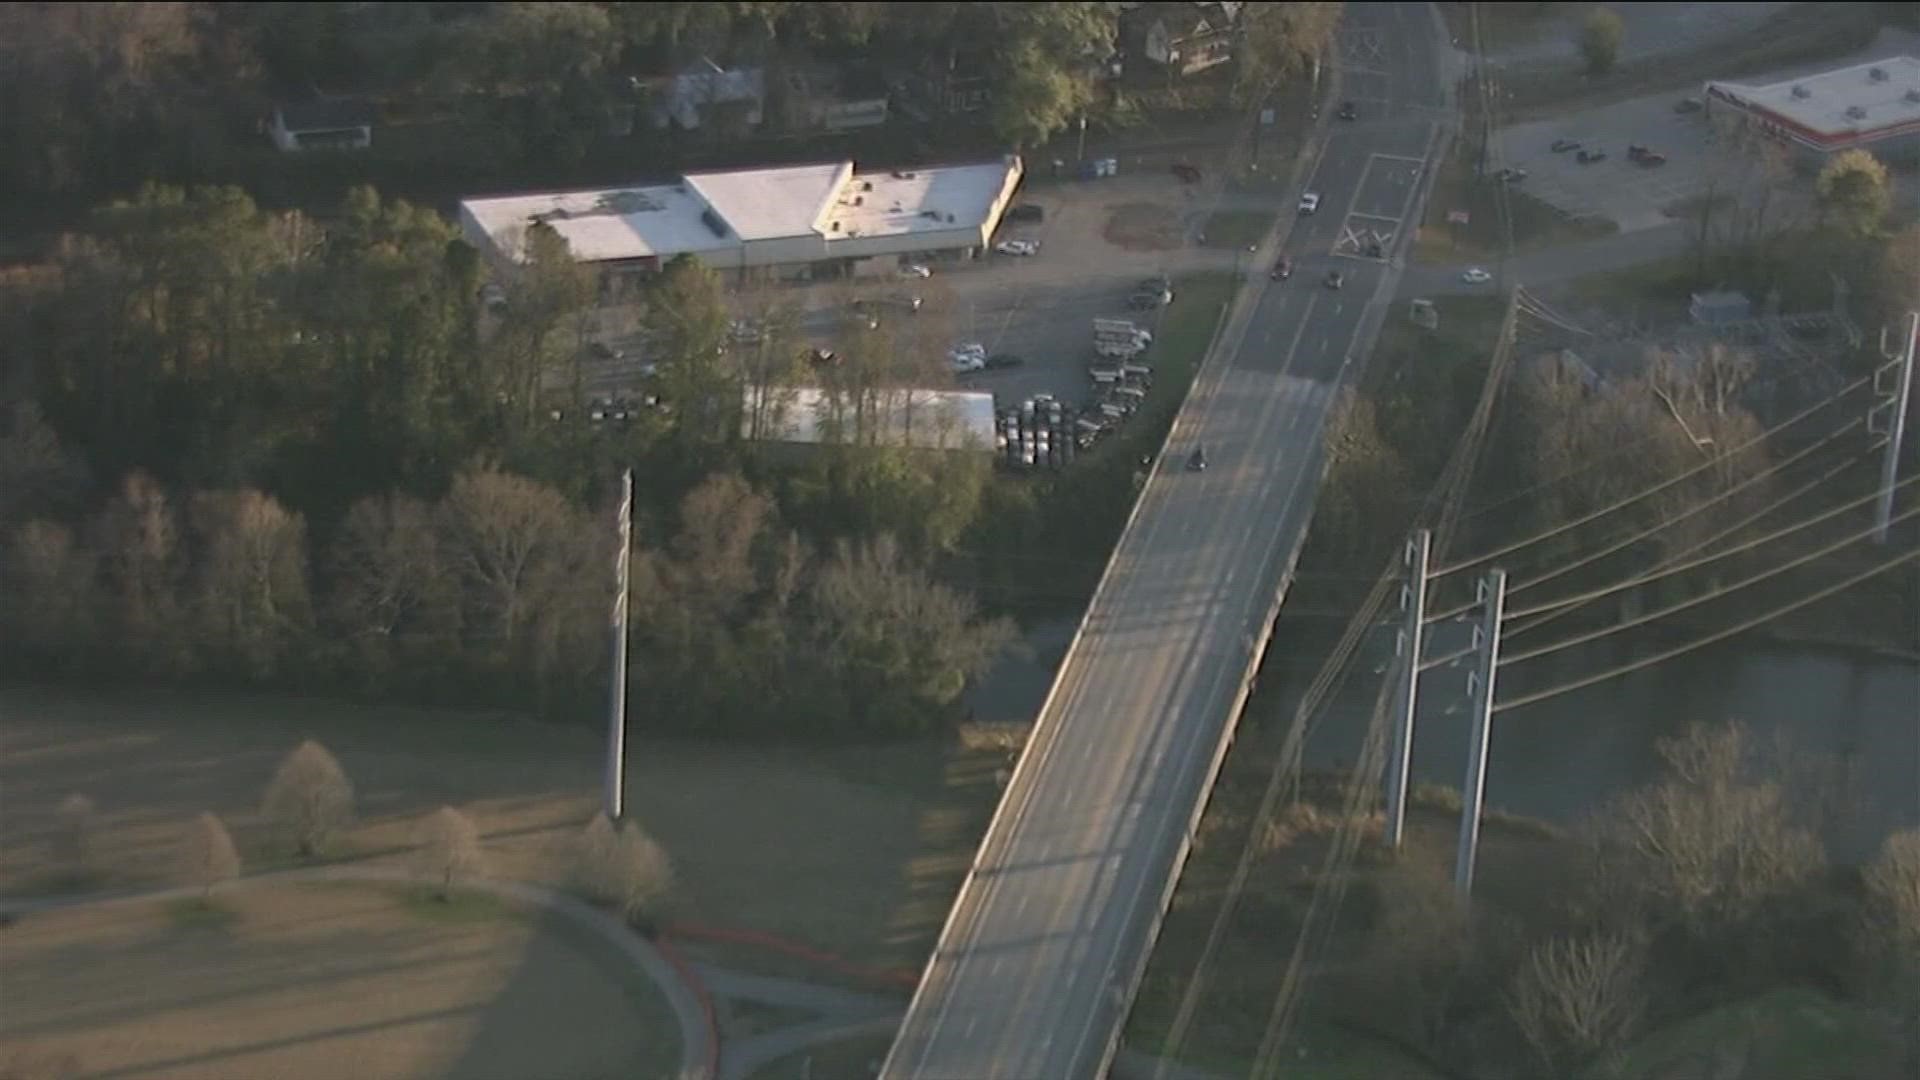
(1856, 112)
(866, 185)
(713, 223)
(1914, 96)
(1802, 92)
(949, 219)
(1877, 74)
(859, 200)
(833, 226)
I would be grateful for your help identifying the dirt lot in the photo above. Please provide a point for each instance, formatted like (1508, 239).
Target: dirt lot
(325, 981)
(760, 838)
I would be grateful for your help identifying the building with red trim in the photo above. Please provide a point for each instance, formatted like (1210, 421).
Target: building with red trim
(1873, 106)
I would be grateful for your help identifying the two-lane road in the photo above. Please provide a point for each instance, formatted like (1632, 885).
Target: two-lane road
(1035, 969)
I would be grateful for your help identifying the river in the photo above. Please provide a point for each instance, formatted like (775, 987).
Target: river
(1854, 716)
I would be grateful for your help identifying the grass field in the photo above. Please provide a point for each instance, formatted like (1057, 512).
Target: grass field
(850, 1059)
(760, 837)
(324, 981)
(1535, 223)
(1237, 228)
(1788, 1034)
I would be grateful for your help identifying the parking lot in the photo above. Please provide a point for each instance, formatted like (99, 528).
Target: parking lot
(1632, 195)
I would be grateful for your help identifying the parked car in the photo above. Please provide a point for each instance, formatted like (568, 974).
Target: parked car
(1310, 202)
(1017, 247)
(1476, 276)
(1335, 279)
(822, 357)
(1561, 146)
(1348, 112)
(1027, 212)
(964, 363)
(916, 270)
(1282, 269)
(1158, 283)
(1588, 157)
(1646, 155)
(1146, 301)
(1186, 174)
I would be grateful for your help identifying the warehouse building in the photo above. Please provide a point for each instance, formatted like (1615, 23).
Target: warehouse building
(792, 223)
(1873, 106)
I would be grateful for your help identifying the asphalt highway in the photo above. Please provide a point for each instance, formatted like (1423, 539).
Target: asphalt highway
(1035, 970)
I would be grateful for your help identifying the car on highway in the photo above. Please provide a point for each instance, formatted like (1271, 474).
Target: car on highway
(1282, 269)
(1588, 157)
(1029, 212)
(966, 363)
(1561, 146)
(1376, 250)
(1335, 279)
(1017, 247)
(1197, 461)
(1476, 276)
(1348, 112)
(1310, 202)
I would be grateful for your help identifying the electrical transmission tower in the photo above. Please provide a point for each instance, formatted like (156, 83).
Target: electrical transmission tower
(1894, 401)
(1473, 794)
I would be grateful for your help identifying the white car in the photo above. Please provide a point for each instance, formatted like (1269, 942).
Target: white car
(963, 363)
(1017, 247)
(1476, 276)
(969, 348)
(916, 270)
(1310, 202)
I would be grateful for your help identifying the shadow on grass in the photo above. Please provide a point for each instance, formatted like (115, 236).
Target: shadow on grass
(199, 913)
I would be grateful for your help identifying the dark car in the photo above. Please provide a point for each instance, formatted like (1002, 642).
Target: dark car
(1335, 279)
(1005, 360)
(1588, 157)
(1027, 212)
(1146, 301)
(1187, 174)
(1375, 251)
(1197, 461)
(1282, 270)
(1347, 111)
(1561, 146)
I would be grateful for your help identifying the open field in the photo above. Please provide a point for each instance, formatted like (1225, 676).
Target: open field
(1786, 1034)
(323, 981)
(1535, 223)
(1237, 228)
(759, 837)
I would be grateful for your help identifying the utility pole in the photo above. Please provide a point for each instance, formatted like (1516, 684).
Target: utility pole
(1413, 602)
(1493, 600)
(1896, 427)
(617, 691)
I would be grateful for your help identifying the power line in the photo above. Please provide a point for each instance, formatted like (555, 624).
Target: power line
(1657, 574)
(1709, 541)
(1719, 459)
(1579, 684)
(1696, 601)
(1643, 534)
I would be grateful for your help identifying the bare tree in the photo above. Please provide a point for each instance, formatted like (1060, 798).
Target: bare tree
(621, 867)
(208, 856)
(449, 850)
(506, 537)
(47, 591)
(390, 590)
(73, 834)
(250, 584)
(310, 799)
(1419, 959)
(1577, 998)
(1893, 887)
(1709, 844)
(137, 538)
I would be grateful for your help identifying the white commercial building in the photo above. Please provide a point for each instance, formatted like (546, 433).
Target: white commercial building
(792, 222)
(921, 419)
(1873, 106)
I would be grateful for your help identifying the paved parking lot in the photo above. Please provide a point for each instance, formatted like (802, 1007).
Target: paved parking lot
(1631, 195)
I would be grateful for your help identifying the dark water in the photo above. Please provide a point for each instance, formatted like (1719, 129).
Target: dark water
(1852, 719)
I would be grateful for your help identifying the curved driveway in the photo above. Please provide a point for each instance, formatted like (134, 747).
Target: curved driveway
(1036, 968)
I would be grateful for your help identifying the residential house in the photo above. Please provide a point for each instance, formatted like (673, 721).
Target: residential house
(322, 124)
(1183, 38)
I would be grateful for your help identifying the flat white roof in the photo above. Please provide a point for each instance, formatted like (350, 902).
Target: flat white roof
(619, 223)
(1822, 103)
(830, 200)
(918, 200)
(926, 419)
(771, 204)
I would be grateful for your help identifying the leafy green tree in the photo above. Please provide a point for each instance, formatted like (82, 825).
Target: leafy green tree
(547, 293)
(1036, 98)
(686, 324)
(1282, 41)
(1854, 193)
(1601, 36)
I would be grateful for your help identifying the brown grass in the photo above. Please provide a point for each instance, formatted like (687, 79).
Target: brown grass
(1142, 227)
(325, 981)
(854, 851)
